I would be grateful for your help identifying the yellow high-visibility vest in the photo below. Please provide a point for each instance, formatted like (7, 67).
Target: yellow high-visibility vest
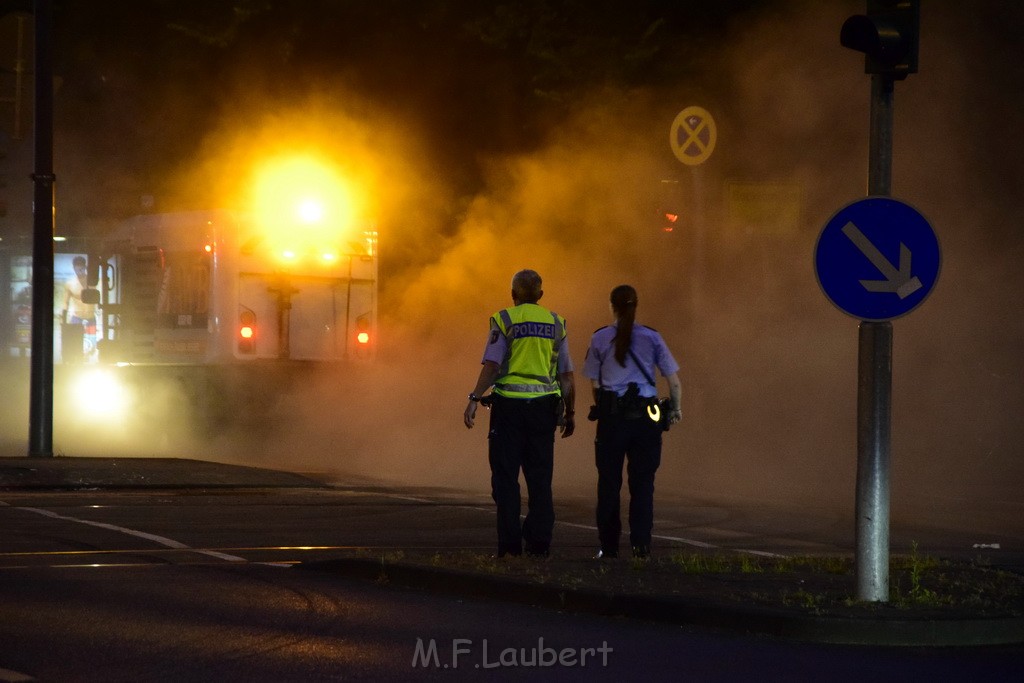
(530, 367)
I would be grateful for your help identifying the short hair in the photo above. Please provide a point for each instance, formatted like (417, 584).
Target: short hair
(79, 261)
(526, 286)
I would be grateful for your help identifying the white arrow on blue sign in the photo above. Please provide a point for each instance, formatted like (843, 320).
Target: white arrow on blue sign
(877, 259)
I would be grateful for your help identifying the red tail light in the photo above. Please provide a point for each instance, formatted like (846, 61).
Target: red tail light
(247, 332)
(363, 334)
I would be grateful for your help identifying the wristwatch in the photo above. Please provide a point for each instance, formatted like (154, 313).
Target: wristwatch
(474, 398)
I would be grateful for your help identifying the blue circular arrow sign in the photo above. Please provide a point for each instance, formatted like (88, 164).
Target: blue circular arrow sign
(877, 259)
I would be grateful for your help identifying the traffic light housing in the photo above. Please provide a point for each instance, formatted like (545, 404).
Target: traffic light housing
(887, 35)
(364, 338)
(363, 329)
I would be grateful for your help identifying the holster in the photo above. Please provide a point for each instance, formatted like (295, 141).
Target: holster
(632, 406)
(629, 406)
(606, 405)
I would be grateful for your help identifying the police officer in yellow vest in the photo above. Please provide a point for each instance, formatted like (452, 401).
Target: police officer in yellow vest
(527, 363)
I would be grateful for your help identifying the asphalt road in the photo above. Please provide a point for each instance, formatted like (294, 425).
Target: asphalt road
(196, 583)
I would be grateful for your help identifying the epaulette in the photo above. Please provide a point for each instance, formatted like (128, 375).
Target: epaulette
(601, 328)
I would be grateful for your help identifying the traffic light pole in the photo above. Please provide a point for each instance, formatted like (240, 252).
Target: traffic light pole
(874, 385)
(41, 380)
(888, 35)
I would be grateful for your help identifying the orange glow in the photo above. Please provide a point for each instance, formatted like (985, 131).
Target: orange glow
(301, 204)
(246, 332)
(363, 337)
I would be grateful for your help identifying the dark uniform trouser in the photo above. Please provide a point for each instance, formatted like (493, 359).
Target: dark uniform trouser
(639, 440)
(522, 436)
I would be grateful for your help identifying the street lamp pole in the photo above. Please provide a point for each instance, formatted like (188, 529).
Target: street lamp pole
(41, 381)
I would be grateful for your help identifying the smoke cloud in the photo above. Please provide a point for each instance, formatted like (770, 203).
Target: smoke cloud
(768, 365)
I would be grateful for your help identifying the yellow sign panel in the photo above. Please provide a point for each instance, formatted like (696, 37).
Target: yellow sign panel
(693, 136)
(765, 208)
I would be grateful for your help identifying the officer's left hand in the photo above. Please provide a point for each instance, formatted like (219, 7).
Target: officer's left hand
(568, 425)
(469, 415)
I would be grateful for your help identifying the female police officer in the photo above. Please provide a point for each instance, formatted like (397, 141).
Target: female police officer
(620, 363)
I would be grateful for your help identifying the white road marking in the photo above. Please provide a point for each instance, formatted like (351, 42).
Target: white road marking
(161, 540)
(589, 527)
(170, 543)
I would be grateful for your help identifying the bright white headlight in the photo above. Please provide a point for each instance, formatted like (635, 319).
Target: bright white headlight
(99, 394)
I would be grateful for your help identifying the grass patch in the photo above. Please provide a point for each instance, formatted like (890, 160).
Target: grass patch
(720, 563)
(816, 583)
(698, 563)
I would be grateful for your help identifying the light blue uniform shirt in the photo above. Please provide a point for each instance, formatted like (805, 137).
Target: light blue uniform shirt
(649, 348)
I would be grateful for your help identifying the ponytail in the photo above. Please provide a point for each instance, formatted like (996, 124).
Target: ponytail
(624, 306)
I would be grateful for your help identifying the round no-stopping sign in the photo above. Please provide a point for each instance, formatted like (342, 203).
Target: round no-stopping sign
(693, 136)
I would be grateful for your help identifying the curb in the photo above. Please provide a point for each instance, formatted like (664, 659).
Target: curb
(755, 620)
(113, 473)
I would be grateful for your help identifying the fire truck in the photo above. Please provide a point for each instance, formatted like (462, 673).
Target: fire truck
(205, 319)
(227, 314)
(206, 288)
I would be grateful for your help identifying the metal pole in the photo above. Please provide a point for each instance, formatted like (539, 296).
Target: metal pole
(880, 144)
(874, 415)
(874, 386)
(41, 380)
(697, 280)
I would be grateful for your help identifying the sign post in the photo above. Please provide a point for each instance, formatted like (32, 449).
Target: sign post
(888, 36)
(692, 138)
(876, 259)
(874, 386)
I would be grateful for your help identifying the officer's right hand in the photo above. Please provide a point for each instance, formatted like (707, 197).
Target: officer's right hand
(469, 415)
(568, 426)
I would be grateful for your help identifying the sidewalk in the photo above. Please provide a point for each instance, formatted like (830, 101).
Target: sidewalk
(120, 473)
(561, 582)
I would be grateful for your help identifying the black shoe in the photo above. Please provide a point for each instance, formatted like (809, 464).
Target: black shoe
(606, 554)
(509, 552)
(537, 550)
(641, 552)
